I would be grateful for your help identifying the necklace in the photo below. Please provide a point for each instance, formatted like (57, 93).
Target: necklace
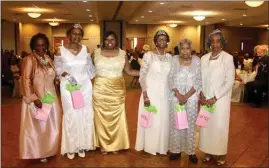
(159, 52)
(215, 57)
(42, 60)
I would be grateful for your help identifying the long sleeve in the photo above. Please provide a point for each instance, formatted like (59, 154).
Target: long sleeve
(90, 67)
(171, 77)
(27, 83)
(58, 65)
(146, 61)
(229, 78)
(198, 76)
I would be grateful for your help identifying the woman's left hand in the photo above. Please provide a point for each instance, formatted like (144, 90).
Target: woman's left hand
(211, 101)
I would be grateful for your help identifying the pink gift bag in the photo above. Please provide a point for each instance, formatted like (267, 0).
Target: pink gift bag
(43, 113)
(77, 99)
(146, 118)
(203, 118)
(181, 120)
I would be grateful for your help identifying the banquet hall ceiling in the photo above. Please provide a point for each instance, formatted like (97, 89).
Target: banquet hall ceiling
(138, 12)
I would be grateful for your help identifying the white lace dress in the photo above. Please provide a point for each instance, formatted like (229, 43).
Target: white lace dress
(183, 78)
(77, 126)
(154, 79)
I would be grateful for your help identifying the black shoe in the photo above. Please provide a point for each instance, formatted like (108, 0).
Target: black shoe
(174, 156)
(193, 159)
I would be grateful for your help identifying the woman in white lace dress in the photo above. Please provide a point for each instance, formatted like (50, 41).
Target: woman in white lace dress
(74, 66)
(185, 82)
(154, 82)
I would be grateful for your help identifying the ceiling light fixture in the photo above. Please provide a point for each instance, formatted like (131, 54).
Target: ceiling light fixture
(161, 3)
(88, 10)
(92, 20)
(222, 19)
(54, 23)
(85, 1)
(90, 15)
(244, 15)
(173, 25)
(241, 24)
(150, 11)
(34, 14)
(136, 20)
(254, 3)
(142, 16)
(199, 17)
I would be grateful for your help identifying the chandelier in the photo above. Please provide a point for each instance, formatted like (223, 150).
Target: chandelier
(34, 14)
(54, 23)
(172, 25)
(199, 17)
(254, 3)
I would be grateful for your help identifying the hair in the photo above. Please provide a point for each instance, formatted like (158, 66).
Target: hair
(109, 33)
(222, 38)
(38, 36)
(161, 33)
(75, 26)
(176, 50)
(184, 41)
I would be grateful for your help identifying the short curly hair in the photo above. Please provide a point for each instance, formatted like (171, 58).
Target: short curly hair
(161, 33)
(222, 38)
(184, 41)
(38, 36)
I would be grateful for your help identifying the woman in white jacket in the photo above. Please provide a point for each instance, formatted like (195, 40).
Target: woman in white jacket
(218, 75)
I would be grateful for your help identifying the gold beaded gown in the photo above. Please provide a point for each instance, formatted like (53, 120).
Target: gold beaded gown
(111, 131)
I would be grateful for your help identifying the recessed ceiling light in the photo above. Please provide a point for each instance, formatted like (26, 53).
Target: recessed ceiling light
(14, 19)
(150, 11)
(222, 19)
(241, 24)
(84, 1)
(88, 10)
(90, 15)
(244, 15)
(136, 20)
(207, 22)
(161, 3)
(142, 16)
(92, 20)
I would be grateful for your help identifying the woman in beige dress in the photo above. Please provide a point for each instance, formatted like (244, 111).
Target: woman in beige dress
(111, 132)
(38, 139)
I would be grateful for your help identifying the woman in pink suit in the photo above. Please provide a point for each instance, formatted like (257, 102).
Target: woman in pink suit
(38, 139)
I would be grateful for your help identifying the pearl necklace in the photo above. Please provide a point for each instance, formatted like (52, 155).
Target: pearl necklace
(159, 52)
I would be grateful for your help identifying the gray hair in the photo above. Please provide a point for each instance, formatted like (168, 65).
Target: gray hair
(184, 41)
(222, 38)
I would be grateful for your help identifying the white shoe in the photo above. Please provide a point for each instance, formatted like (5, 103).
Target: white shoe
(45, 160)
(71, 155)
(81, 153)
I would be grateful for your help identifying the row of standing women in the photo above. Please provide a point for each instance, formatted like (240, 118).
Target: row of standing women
(101, 123)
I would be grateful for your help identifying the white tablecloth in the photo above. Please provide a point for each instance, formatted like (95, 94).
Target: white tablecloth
(245, 76)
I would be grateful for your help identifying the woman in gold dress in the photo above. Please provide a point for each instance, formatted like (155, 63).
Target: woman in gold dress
(111, 132)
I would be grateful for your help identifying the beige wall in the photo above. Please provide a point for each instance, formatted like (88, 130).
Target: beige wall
(91, 34)
(176, 35)
(7, 35)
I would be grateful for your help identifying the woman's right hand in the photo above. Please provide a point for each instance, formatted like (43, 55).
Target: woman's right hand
(202, 100)
(181, 98)
(146, 101)
(38, 103)
(57, 49)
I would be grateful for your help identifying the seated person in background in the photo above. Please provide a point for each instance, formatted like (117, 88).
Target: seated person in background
(256, 88)
(237, 88)
(135, 61)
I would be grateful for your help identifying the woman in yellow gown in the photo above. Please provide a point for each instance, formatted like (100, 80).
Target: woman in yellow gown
(111, 132)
